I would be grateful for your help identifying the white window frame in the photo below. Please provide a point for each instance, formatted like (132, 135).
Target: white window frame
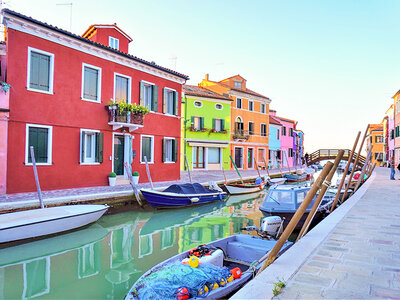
(234, 153)
(265, 152)
(248, 126)
(261, 131)
(252, 161)
(172, 91)
(94, 147)
(172, 153)
(129, 85)
(252, 103)
(222, 106)
(49, 144)
(150, 84)
(238, 84)
(194, 123)
(198, 101)
(51, 71)
(261, 108)
(220, 124)
(98, 100)
(241, 103)
(112, 41)
(152, 148)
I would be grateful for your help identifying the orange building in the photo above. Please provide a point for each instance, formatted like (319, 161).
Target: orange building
(376, 138)
(249, 120)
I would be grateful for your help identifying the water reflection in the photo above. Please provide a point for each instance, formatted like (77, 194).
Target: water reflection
(103, 260)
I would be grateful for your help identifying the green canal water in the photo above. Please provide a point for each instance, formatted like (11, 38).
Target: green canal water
(103, 260)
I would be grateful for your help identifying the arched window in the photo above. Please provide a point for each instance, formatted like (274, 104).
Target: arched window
(239, 126)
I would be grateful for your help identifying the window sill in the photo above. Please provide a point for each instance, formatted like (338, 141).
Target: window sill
(149, 162)
(40, 91)
(38, 164)
(89, 163)
(90, 100)
(169, 162)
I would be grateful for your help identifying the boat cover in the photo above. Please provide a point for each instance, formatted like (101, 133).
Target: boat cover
(189, 188)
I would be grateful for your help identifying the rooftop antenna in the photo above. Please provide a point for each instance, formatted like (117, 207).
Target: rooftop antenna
(70, 13)
(174, 59)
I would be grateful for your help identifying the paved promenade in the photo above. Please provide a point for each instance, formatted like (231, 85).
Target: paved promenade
(25, 200)
(354, 253)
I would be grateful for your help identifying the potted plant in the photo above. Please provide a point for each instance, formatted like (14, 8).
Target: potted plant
(112, 177)
(135, 176)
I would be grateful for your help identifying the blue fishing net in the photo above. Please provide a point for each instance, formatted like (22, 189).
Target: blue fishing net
(166, 283)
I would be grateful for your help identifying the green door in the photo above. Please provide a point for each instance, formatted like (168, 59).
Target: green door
(119, 155)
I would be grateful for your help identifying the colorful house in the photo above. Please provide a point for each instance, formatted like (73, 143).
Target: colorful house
(250, 121)
(298, 147)
(396, 116)
(287, 141)
(60, 86)
(275, 131)
(375, 138)
(206, 125)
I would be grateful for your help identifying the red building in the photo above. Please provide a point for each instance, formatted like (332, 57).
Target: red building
(60, 85)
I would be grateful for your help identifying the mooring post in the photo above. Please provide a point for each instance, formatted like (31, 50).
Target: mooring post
(354, 165)
(266, 167)
(345, 172)
(360, 179)
(321, 194)
(187, 165)
(258, 171)
(297, 216)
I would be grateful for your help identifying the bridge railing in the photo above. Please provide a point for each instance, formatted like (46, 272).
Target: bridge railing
(324, 154)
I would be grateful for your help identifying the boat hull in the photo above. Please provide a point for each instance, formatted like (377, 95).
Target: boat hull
(40, 222)
(295, 177)
(161, 199)
(273, 181)
(236, 189)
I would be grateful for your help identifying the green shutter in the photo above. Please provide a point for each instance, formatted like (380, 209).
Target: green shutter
(192, 122)
(154, 100)
(201, 123)
(90, 82)
(165, 100)
(213, 124)
(222, 124)
(175, 150)
(39, 77)
(42, 145)
(99, 147)
(33, 141)
(82, 146)
(164, 150)
(176, 103)
(141, 96)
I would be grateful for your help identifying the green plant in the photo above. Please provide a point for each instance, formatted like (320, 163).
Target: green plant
(278, 286)
(136, 173)
(122, 105)
(5, 87)
(112, 175)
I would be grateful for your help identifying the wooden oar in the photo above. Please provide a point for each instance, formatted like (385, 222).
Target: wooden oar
(266, 167)
(258, 171)
(237, 170)
(223, 171)
(148, 172)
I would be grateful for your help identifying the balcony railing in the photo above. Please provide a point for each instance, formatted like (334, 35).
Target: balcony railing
(241, 134)
(119, 119)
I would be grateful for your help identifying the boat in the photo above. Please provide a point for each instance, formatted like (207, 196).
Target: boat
(244, 188)
(212, 270)
(284, 200)
(296, 177)
(186, 194)
(44, 221)
(241, 198)
(272, 181)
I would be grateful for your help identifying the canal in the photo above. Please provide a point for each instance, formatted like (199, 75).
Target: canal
(103, 260)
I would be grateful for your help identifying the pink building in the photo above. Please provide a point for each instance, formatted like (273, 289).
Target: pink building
(287, 141)
(4, 115)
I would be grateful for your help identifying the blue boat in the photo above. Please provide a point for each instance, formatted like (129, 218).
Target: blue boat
(295, 177)
(187, 194)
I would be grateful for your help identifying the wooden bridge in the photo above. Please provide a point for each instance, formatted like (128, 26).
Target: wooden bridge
(324, 154)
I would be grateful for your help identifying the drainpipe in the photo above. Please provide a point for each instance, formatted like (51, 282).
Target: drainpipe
(184, 132)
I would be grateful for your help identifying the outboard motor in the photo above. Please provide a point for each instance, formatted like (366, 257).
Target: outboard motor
(271, 227)
(214, 186)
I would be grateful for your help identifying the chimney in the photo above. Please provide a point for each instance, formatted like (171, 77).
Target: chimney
(206, 77)
(272, 112)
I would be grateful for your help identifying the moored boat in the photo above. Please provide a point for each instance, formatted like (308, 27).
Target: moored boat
(295, 177)
(244, 188)
(187, 194)
(272, 181)
(44, 221)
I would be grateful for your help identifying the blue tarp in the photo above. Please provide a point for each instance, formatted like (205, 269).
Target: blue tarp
(188, 188)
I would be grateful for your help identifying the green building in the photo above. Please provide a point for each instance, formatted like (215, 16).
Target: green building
(206, 118)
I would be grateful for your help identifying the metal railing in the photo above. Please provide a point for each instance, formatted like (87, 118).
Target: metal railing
(116, 116)
(324, 154)
(241, 134)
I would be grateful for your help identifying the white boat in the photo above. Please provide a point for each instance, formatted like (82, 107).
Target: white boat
(244, 188)
(44, 221)
(273, 181)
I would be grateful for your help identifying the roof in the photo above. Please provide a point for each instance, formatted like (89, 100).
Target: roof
(247, 91)
(95, 26)
(287, 120)
(78, 37)
(274, 121)
(375, 127)
(194, 90)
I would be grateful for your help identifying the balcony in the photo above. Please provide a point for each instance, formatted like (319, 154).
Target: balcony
(241, 134)
(118, 119)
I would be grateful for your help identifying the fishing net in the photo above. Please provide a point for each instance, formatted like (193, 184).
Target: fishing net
(167, 282)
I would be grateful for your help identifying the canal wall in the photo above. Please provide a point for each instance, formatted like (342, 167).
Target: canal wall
(345, 254)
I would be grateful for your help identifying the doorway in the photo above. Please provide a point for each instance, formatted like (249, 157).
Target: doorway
(250, 158)
(239, 157)
(119, 154)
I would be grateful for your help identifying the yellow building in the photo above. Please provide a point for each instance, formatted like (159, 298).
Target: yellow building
(376, 139)
(249, 120)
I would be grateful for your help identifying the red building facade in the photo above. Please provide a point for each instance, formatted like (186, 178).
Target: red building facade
(60, 84)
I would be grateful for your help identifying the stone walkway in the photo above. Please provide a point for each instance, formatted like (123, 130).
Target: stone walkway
(357, 258)
(22, 200)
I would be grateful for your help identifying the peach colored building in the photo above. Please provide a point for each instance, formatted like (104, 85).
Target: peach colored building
(249, 120)
(376, 139)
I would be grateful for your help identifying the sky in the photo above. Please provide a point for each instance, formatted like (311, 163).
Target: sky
(331, 65)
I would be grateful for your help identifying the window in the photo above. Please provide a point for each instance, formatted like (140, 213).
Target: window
(218, 106)
(218, 125)
(147, 148)
(198, 103)
(251, 105)
(263, 130)
(290, 131)
(197, 123)
(238, 84)
(290, 152)
(261, 155)
(122, 88)
(91, 146)
(40, 137)
(214, 155)
(198, 157)
(239, 126)
(284, 131)
(277, 134)
(40, 71)
(392, 134)
(170, 150)
(378, 139)
(397, 131)
(251, 128)
(91, 83)
(170, 104)
(262, 108)
(149, 95)
(238, 103)
(113, 42)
